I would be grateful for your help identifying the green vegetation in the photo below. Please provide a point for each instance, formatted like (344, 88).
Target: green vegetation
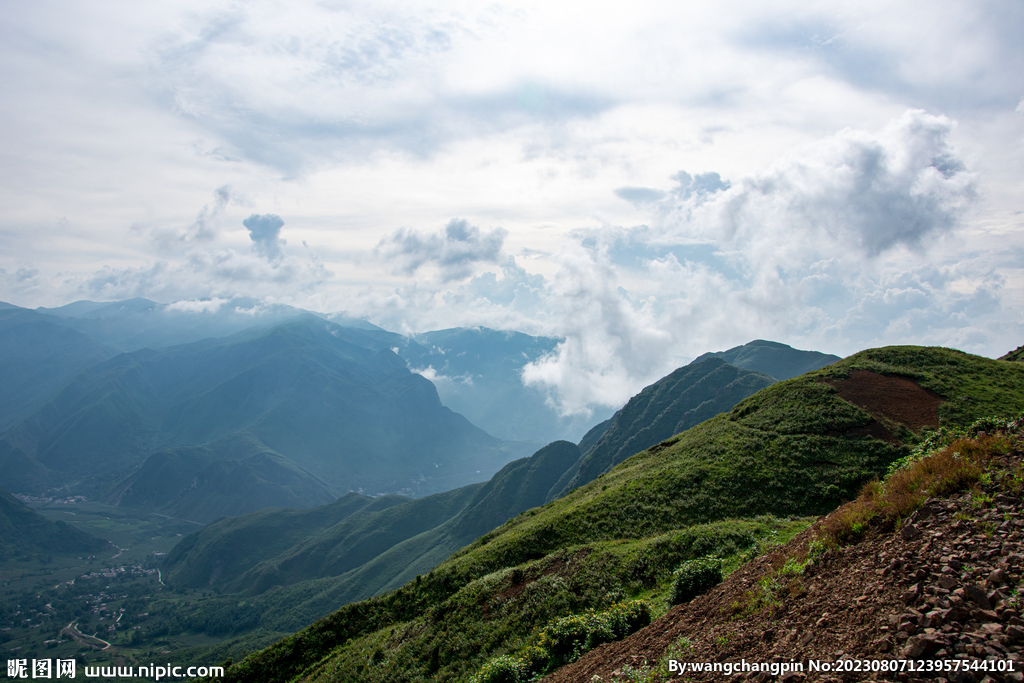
(25, 533)
(564, 640)
(673, 404)
(794, 448)
(948, 461)
(695, 577)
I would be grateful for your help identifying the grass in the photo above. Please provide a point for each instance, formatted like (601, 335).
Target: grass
(957, 466)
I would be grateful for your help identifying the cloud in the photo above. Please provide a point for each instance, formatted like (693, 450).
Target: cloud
(263, 231)
(611, 341)
(871, 192)
(455, 252)
(823, 245)
(201, 230)
(639, 196)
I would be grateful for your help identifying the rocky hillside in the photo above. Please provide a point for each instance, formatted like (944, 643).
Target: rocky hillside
(942, 587)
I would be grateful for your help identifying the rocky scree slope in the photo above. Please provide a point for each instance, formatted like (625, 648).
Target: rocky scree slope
(945, 585)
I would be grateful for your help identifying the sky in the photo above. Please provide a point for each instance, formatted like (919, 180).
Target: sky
(648, 182)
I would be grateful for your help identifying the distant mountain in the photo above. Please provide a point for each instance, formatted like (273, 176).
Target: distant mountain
(337, 415)
(230, 477)
(24, 531)
(38, 356)
(135, 324)
(477, 371)
(772, 358)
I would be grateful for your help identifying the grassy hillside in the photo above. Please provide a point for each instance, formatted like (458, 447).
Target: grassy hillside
(795, 448)
(673, 404)
(293, 566)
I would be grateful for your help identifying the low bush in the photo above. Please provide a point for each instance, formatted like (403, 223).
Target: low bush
(521, 667)
(695, 577)
(567, 638)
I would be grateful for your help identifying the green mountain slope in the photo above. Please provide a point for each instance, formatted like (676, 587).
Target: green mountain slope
(772, 358)
(226, 549)
(1016, 355)
(230, 477)
(24, 532)
(686, 397)
(797, 447)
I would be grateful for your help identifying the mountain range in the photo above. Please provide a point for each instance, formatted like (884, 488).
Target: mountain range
(798, 447)
(337, 554)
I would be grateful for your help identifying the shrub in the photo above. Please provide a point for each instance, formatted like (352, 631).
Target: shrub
(520, 667)
(567, 638)
(695, 577)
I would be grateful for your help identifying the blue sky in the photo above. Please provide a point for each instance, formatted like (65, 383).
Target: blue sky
(649, 182)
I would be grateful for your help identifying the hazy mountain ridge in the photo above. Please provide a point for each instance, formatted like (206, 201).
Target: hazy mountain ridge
(476, 370)
(299, 389)
(37, 357)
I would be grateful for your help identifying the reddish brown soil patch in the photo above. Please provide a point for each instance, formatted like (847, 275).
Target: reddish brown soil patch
(895, 398)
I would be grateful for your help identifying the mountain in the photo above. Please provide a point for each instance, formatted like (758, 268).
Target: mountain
(230, 477)
(24, 532)
(797, 447)
(685, 397)
(772, 358)
(712, 383)
(135, 324)
(37, 358)
(477, 371)
(868, 580)
(357, 546)
(324, 413)
(1016, 355)
(673, 404)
